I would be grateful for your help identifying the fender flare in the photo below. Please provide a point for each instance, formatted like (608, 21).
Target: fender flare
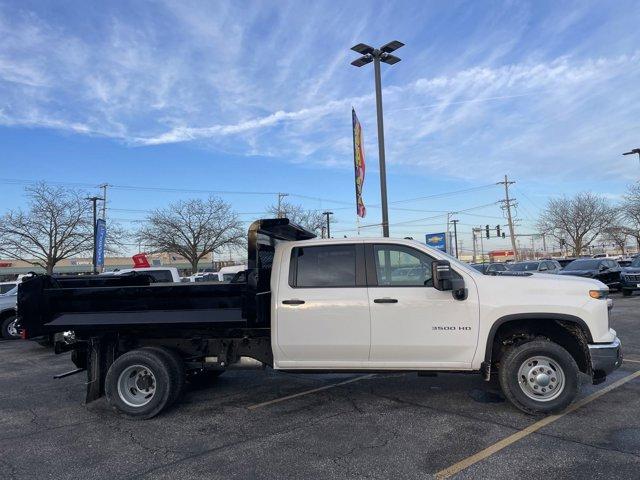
(531, 316)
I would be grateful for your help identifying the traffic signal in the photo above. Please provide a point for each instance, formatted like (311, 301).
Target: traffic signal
(486, 229)
(503, 235)
(498, 230)
(562, 242)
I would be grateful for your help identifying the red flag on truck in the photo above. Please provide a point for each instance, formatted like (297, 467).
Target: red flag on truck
(358, 161)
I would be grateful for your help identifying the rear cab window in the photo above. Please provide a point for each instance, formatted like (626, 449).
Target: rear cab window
(326, 266)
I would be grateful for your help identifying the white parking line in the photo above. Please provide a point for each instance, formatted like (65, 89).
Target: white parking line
(307, 392)
(630, 360)
(505, 442)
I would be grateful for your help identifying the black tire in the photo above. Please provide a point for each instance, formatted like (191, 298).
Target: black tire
(5, 330)
(164, 386)
(626, 292)
(176, 364)
(510, 383)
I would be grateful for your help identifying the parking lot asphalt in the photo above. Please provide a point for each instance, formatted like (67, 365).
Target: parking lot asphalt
(263, 424)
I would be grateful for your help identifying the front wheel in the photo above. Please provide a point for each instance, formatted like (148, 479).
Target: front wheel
(9, 328)
(539, 377)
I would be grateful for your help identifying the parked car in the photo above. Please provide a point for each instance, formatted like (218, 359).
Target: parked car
(490, 268)
(564, 261)
(630, 277)
(538, 266)
(604, 269)
(6, 287)
(8, 301)
(327, 305)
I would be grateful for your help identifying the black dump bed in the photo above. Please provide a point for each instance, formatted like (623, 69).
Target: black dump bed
(50, 304)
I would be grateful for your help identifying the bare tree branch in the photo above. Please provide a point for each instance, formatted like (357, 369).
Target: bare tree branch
(193, 229)
(578, 220)
(310, 219)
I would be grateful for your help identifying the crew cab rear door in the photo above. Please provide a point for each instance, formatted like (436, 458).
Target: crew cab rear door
(322, 307)
(413, 325)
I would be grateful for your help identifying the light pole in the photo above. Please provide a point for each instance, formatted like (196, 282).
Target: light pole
(377, 55)
(327, 214)
(94, 200)
(455, 235)
(635, 150)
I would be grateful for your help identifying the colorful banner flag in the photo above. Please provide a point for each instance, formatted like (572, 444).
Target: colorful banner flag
(358, 161)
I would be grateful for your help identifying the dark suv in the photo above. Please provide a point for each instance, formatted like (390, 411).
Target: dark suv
(630, 277)
(538, 266)
(603, 269)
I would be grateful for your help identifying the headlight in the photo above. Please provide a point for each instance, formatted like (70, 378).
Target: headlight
(599, 294)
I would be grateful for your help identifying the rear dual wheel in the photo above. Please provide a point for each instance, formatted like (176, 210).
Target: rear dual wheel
(141, 383)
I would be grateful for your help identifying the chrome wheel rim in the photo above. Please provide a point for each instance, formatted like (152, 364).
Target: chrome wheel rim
(541, 378)
(136, 385)
(12, 329)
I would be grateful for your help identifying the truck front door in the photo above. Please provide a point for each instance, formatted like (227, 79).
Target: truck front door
(414, 325)
(322, 308)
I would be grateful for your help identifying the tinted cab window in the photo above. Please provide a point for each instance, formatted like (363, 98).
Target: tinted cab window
(326, 266)
(160, 276)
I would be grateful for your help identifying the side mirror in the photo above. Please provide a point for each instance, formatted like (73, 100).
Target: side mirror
(441, 274)
(603, 267)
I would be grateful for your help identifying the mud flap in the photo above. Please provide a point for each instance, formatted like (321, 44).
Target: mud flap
(100, 356)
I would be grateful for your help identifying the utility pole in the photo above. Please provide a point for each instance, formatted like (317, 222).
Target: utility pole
(507, 203)
(94, 200)
(455, 235)
(327, 214)
(377, 55)
(104, 200)
(280, 197)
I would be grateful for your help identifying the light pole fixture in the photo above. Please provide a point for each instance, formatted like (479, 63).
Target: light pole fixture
(377, 55)
(632, 152)
(327, 214)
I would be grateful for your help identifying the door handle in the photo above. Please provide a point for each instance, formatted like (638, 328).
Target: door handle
(385, 300)
(293, 302)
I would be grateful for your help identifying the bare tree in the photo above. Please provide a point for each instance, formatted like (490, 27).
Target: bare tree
(192, 228)
(618, 235)
(630, 210)
(579, 220)
(310, 219)
(57, 225)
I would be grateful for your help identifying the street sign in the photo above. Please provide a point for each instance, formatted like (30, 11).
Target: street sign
(437, 241)
(101, 237)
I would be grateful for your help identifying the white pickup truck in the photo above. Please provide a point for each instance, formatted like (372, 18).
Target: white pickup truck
(347, 305)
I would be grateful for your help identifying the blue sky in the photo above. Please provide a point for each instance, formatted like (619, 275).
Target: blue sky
(256, 96)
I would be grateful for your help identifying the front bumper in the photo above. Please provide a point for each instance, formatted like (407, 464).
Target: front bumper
(630, 283)
(605, 358)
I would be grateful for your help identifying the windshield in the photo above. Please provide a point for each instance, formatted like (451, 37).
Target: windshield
(13, 291)
(635, 263)
(524, 267)
(583, 265)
